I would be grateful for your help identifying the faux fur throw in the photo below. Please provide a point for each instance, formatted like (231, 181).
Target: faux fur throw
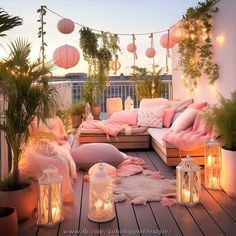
(144, 188)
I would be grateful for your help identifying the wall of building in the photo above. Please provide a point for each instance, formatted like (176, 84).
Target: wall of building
(223, 28)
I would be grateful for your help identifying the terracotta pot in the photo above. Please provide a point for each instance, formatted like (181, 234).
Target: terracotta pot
(96, 110)
(228, 172)
(23, 200)
(8, 221)
(76, 120)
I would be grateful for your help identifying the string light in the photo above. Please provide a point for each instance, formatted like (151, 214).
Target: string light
(100, 31)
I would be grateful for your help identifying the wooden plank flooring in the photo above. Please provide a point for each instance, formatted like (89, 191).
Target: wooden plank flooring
(215, 215)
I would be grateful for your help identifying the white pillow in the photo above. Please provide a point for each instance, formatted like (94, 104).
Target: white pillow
(184, 120)
(153, 102)
(151, 117)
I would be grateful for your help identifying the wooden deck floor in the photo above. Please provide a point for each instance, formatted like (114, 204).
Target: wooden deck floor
(216, 215)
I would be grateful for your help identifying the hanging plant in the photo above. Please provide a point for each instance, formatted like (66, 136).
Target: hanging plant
(89, 46)
(196, 56)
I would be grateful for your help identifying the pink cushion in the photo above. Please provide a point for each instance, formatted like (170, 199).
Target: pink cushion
(185, 120)
(168, 116)
(113, 105)
(153, 102)
(198, 106)
(151, 117)
(199, 124)
(129, 117)
(89, 154)
(180, 105)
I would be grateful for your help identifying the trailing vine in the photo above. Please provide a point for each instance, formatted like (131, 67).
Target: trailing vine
(98, 58)
(196, 56)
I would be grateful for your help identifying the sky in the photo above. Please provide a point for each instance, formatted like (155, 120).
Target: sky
(117, 16)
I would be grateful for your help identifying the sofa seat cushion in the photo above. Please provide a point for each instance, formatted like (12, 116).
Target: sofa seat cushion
(157, 135)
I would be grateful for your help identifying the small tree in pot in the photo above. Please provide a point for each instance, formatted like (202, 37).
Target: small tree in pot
(24, 85)
(77, 111)
(223, 117)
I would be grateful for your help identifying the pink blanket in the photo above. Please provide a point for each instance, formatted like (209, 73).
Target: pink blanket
(192, 138)
(112, 129)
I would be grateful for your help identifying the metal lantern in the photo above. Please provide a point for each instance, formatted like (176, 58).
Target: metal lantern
(50, 198)
(129, 103)
(101, 205)
(188, 182)
(213, 165)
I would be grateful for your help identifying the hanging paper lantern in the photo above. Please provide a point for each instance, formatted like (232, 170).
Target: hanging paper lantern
(66, 56)
(132, 48)
(150, 52)
(65, 26)
(177, 34)
(164, 41)
(115, 65)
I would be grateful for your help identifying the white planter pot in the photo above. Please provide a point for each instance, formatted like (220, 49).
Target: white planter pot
(229, 172)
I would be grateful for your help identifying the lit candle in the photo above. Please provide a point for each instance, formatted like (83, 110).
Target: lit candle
(214, 182)
(98, 204)
(186, 196)
(55, 213)
(106, 206)
(210, 160)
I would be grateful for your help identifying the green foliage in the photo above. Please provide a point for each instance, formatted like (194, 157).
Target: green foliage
(148, 85)
(89, 92)
(223, 116)
(196, 56)
(8, 22)
(65, 117)
(78, 108)
(98, 58)
(24, 85)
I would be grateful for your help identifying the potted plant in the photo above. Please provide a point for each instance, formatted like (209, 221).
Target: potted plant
(8, 221)
(25, 88)
(90, 96)
(223, 116)
(77, 111)
(148, 84)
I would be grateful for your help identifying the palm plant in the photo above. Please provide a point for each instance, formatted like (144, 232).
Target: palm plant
(24, 86)
(148, 84)
(8, 22)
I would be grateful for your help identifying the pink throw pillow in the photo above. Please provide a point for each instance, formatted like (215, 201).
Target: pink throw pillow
(151, 117)
(89, 154)
(168, 116)
(198, 106)
(185, 120)
(129, 117)
(180, 105)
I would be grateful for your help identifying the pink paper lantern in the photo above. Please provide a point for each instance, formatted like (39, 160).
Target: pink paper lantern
(131, 48)
(65, 26)
(150, 52)
(66, 56)
(164, 41)
(177, 34)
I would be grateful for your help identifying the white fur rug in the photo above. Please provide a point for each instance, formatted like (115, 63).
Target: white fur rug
(145, 186)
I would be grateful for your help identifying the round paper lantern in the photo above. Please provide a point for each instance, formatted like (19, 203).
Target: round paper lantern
(65, 26)
(132, 48)
(164, 41)
(66, 56)
(150, 52)
(115, 65)
(177, 34)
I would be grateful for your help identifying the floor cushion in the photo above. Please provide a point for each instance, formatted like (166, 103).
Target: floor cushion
(89, 154)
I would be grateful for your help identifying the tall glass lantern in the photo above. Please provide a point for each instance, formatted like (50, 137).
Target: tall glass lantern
(213, 165)
(50, 198)
(101, 205)
(188, 182)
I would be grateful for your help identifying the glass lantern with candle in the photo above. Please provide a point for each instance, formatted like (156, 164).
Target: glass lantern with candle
(213, 165)
(50, 197)
(188, 182)
(101, 205)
